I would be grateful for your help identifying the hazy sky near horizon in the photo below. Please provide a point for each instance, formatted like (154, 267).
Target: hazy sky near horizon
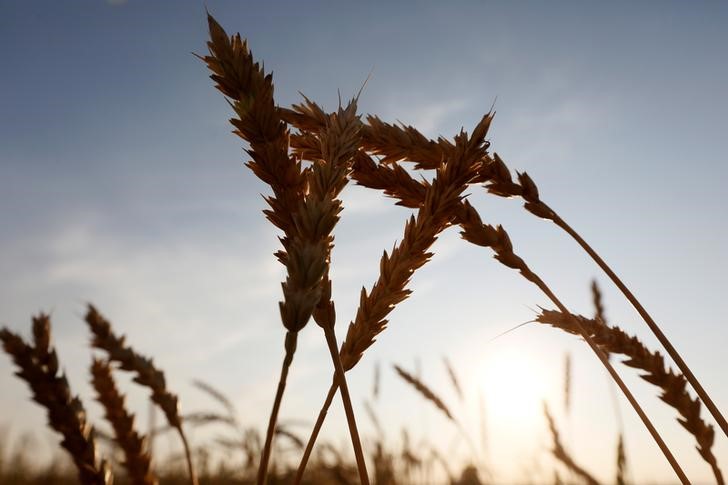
(121, 184)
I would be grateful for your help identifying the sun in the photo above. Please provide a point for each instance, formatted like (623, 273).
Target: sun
(514, 385)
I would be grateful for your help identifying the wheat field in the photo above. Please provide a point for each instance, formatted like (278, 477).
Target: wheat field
(420, 371)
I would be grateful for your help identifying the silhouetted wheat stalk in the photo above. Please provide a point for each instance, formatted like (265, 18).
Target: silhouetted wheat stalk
(501, 183)
(561, 454)
(475, 231)
(425, 391)
(453, 379)
(673, 385)
(137, 457)
(243, 81)
(145, 374)
(304, 206)
(38, 367)
(621, 462)
(435, 214)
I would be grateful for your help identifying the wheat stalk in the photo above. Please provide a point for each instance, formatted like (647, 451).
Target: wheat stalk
(305, 221)
(621, 461)
(497, 239)
(425, 391)
(435, 214)
(336, 144)
(502, 184)
(480, 234)
(145, 374)
(560, 452)
(673, 385)
(454, 379)
(476, 232)
(38, 367)
(137, 457)
(397, 183)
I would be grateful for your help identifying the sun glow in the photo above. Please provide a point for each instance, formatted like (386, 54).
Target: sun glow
(514, 385)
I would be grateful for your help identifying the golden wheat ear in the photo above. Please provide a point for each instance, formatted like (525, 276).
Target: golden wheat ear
(39, 368)
(145, 373)
(137, 459)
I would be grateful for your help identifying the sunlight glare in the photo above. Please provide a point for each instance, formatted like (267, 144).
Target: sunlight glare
(514, 384)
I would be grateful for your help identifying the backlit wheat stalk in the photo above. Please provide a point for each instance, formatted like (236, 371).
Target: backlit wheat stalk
(500, 182)
(672, 384)
(425, 391)
(561, 454)
(38, 367)
(478, 233)
(243, 81)
(421, 231)
(145, 374)
(137, 458)
(453, 378)
(304, 205)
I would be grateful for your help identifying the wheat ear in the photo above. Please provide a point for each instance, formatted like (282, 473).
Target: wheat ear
(244, 82)
(331, 149)
(425, 391)
(420, 232)
(38, 367)
(497, 239)
(145, 374)
(501, 183)
(673, 385)
(454, 379)
(560, 452)
(430, 395)
(397, 183)
(137, 457)
(402, 186)
(621, 462)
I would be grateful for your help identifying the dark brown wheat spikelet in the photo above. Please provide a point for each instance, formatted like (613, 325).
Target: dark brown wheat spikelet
(621, 462)
(672, 384)
(145, 373)
(38, 367)
(257, 121)
(136, 453)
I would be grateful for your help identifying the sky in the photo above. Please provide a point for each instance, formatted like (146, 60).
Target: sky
(122, 185)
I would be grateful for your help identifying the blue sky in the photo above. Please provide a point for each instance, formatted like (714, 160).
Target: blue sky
(121, 184)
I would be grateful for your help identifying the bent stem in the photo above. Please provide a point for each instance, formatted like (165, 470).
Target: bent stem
(648, 320)
(346, 399)
(290, 345)
(188, 456)
(618, 380)
(315, 432)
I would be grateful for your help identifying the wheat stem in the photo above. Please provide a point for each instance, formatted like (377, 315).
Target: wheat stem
(669, 348)
(290, 346)
(502, 184)
(349, 410)
(622, 386)
(315, 432)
